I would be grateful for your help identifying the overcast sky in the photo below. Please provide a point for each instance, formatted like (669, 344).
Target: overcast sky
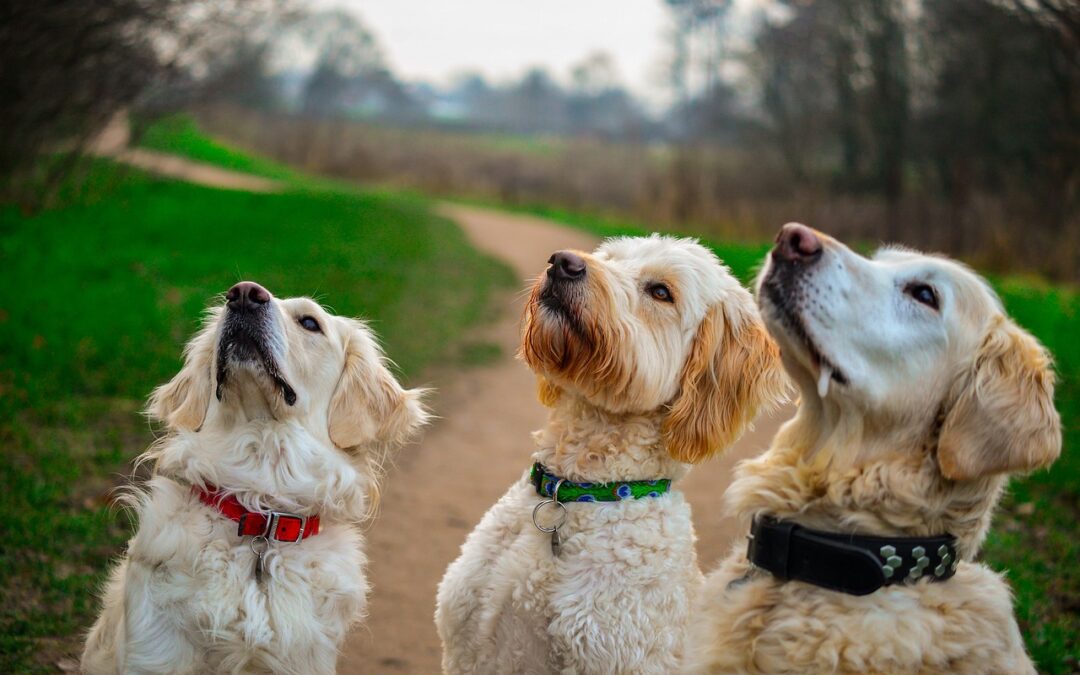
(435, 40)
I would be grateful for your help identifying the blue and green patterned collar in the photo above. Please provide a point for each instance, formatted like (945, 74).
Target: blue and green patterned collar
(545, 482)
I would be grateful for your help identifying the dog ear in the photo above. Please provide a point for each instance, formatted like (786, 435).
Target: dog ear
(181, 403)
(1002, 417)
(369, 404)
(733, 370)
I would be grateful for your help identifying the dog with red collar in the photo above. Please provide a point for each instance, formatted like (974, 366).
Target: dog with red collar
(247, 556)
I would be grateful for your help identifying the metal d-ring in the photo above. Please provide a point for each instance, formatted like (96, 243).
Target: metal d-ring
(554, 500)
(263, 545)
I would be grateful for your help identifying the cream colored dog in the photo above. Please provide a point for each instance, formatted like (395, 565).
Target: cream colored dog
(652, 356)
(280, 407)
(919, 397)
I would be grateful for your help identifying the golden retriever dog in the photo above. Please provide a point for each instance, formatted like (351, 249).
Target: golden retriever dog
(652, 357)
(919, 397)
(247, 557)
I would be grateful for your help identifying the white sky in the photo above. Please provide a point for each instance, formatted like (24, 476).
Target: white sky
(435, 40)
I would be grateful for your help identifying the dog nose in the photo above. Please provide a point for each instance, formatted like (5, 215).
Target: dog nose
(797, 243)
(566, 266)
(246, 295)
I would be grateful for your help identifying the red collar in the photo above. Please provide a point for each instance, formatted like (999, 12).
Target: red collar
(275, 525)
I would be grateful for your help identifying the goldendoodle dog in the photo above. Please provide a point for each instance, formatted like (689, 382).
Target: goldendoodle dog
(651, 357)
(919, 397)
(247, 556)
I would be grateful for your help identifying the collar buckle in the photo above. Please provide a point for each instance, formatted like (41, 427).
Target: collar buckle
(290, 528)
(285, 527)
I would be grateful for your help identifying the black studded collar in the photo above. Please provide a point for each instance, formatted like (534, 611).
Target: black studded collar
(849, 563)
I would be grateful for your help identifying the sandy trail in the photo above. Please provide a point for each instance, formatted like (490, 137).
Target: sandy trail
(114, 142)
(194, 172)
(440, 488)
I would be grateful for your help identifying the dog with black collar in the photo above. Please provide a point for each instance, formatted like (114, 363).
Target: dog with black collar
(919, 397)
(651, 357)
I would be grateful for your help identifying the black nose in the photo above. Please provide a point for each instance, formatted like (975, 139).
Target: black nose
(797, 243)
(566, 266)
(246, 295)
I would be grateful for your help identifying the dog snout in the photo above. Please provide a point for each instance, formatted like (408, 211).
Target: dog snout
(797, 243)
(246, 296)
(566, 266)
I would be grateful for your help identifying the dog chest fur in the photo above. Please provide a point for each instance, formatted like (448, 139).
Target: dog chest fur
(189, 580)
(618, 595)
(963, 626)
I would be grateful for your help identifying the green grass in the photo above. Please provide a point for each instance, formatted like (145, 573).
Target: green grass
(179, 135)
(1035, 539)
(98, 299)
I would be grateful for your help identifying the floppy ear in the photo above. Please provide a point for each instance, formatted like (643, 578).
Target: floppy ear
(1002, 418)
(733, 370)
(181, 403)
(369, 404)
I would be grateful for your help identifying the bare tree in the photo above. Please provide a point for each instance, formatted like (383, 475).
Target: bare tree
(698, 44)
(70, 65)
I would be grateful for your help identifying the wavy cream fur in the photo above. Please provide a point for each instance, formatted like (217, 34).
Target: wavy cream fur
(184, 598)
(618, 597)
(902, 448)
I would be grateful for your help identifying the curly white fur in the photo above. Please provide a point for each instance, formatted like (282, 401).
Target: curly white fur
(184, 598)
(639, 386)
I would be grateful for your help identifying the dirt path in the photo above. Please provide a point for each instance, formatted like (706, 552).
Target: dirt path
(114, 142)
(194, 172)
(440, 488)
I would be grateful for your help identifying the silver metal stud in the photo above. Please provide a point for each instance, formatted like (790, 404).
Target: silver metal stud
(955, 563)
(918, 552)
(892, 561)
(942, 551)
(945, 559)
(939, 570)
(915, 573)
(922, 563)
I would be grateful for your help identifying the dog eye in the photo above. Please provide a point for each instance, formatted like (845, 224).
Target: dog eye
(659, 292)
(309, 323)
(923, 293)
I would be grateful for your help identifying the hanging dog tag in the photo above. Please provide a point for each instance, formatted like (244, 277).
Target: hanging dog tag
(259, 545)
(556, 543)
(560, 518)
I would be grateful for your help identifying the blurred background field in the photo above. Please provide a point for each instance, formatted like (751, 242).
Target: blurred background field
(951, 125)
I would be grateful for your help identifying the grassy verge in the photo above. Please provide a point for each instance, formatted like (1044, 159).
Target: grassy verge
(179, 135)
(100, 296)
(1033, 540)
